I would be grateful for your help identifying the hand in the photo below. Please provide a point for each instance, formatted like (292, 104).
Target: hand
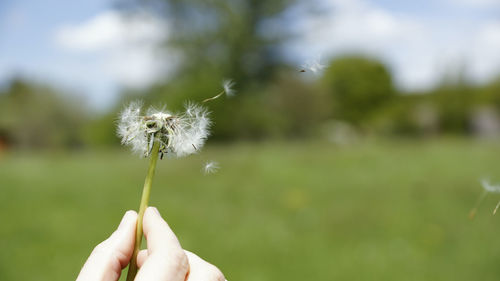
(164, 260)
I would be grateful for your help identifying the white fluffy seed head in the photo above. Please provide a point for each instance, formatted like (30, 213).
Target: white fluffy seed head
(210, 167)
(191, 129)
(228, 85)
(179, 134)
(131, 128)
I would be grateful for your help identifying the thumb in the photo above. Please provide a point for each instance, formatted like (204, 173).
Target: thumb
(113, 254)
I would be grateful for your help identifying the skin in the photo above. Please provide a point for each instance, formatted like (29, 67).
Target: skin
(164, 259)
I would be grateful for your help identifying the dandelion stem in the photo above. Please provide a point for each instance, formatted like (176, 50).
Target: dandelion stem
(472, 212)
(214, 97)
(496, 207)
(132, 269)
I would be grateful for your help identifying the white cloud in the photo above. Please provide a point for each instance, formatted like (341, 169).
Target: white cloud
(418, 50)
(109, 30)
(484, 58)
(122, 49)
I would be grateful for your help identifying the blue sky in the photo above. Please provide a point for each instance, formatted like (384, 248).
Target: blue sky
(89, 49)
(27, 46)
(26, 29)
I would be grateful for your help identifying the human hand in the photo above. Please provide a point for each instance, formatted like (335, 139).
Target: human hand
(164, 260)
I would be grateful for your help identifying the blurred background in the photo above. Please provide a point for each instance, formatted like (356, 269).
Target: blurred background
(362, 169)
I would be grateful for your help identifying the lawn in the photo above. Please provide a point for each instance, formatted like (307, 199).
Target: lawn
(275, 211)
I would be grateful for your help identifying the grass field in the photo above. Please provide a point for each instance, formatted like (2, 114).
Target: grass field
(275, 211)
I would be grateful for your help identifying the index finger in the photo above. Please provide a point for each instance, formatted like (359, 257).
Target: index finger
(166, 261)
(159, 235)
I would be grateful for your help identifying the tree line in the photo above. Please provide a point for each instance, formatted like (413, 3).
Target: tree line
(353, 92)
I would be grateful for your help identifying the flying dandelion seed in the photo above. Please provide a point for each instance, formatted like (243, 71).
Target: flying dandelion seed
(314, 65)
(487, 188)
(227, 88)
(228, 85)
(492, 189)
(211, 167)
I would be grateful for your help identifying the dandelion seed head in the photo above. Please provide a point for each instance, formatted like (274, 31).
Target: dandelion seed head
(228, 85)
(211, 167)
(179, 134)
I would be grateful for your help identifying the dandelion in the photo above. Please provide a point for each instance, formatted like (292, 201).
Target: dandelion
(158, 133)
(487, 188)
(210, 167)
(227, 88)
(314, 65)
(177, 134)
(492, 189)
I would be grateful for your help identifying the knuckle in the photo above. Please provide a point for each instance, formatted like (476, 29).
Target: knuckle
(180, 261)
(100, 248)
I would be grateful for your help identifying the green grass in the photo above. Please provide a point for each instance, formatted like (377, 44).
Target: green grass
(275, 211)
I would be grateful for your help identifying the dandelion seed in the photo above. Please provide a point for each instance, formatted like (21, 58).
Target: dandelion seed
(130, 128)
(314, 65)
(228, 85)
(487, 188)
(178, 134)
(210, 167)
(496, 208)
(227, 88)
(493, 189)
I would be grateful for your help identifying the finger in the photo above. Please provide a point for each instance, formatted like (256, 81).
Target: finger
(166, 261)
(113, 254)
(141, 257)
(157, 232)
(200, 270)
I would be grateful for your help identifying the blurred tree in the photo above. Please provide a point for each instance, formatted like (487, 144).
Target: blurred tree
(456, 98)
(238, 39)
(454, 103)
(359, 87)
(101, 131)
(299, 107)
(216, 39)
(243, 40)
(37, 116)
(490, 93)
(411, 115)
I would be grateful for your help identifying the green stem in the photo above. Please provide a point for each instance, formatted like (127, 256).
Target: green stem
(146, 191)
(473, 212)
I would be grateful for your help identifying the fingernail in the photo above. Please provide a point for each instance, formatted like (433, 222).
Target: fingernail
(155, 210)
